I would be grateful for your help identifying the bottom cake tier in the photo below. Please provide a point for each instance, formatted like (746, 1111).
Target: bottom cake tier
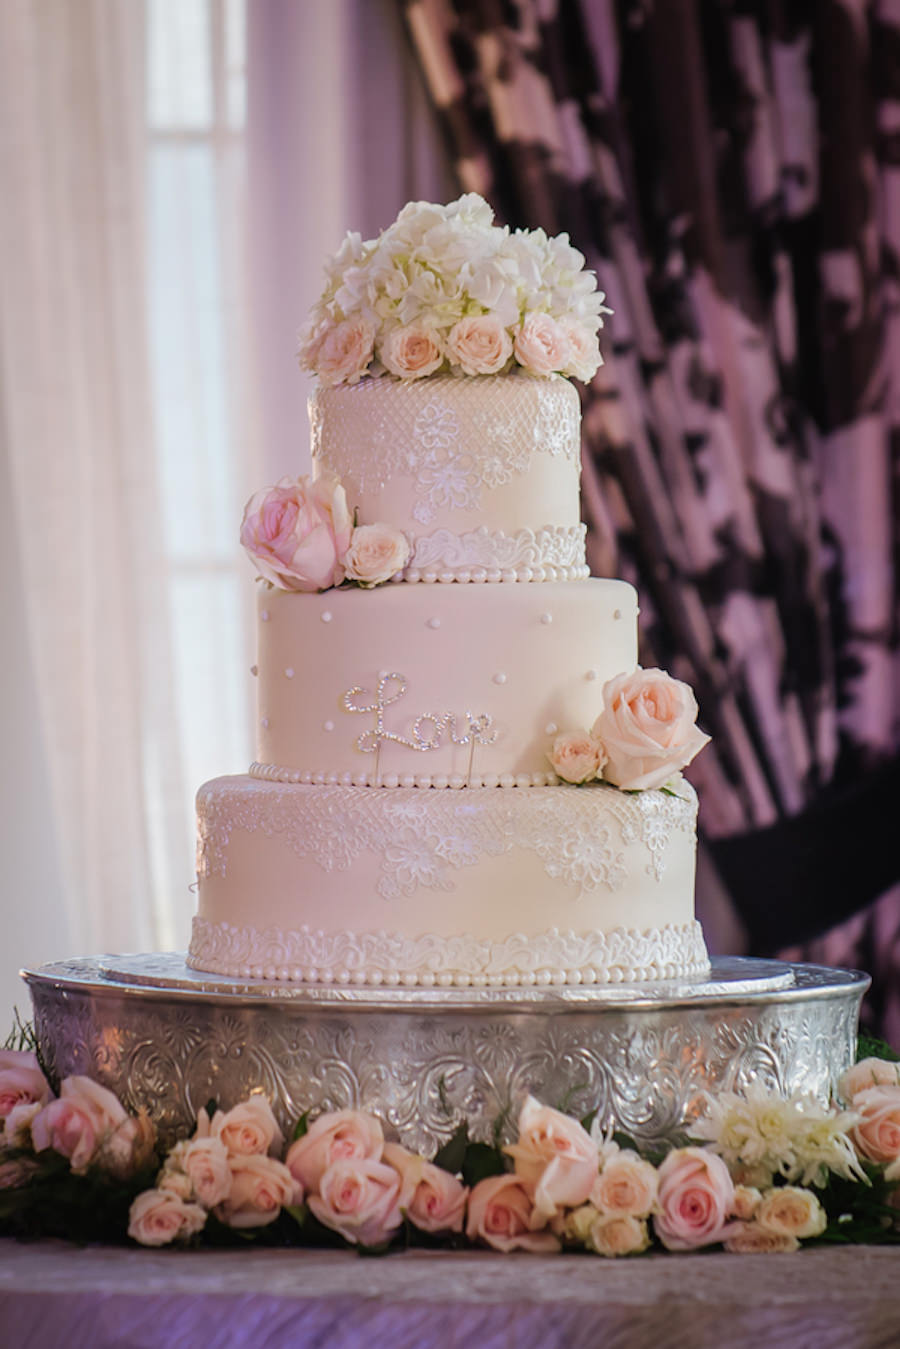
(422, 887)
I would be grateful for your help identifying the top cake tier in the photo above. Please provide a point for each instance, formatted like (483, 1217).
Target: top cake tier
(481, 475)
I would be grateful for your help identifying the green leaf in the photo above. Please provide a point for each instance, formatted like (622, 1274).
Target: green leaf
(481, 1161)
(870, 1047)
(302, 1126)
(298, 1212)
(452, 1155)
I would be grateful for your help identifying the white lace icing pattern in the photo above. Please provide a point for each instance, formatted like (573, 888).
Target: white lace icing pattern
(555, 553)
(453, 447)
(422, 838)
(302, 955)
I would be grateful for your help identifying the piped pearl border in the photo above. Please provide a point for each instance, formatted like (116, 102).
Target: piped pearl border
(623, 955)
(364, 778)
(494, 576)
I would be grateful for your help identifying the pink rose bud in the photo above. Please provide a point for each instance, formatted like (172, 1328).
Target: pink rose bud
(337, 1135)
(541, 345)
(376, 553)
(158, 1217)
(479, 345)
(576, 757)
(21, 1081)
(411, 352)
(340, 354)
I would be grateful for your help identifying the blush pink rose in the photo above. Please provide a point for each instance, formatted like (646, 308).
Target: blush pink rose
(618, 1234)
(82, 1121)
(576, 757)
(541, 345)
(584, 348)
(877, 1134)
(479, 345)
(248, 1128)
(260, 1187)
(791, 1211)
(647, 728)
(434, 1201)
(338, 1135)
(626, 1185)
(556, 1157)
(297, 533)
(361, 1199)
(203, 1163)
(342, 353)
(21, 1081)
(376, 553)
(411, 352)
(695, 1199)
(501, 1214)
(868, 1073)
(158, 1217)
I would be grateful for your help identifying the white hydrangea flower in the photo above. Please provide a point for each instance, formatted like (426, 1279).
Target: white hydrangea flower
(436, 265)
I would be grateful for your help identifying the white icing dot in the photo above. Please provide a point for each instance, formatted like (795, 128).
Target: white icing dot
(617, 613)
(546, 618)
(326, 615)
(499, 677)
(264, 723)
(591, 675)
(254, 670)
(289, 672)
(433, 623)
(264, 615)
(551, 728)
(328, 726)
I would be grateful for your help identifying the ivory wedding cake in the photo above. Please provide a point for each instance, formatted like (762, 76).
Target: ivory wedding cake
(462, 778)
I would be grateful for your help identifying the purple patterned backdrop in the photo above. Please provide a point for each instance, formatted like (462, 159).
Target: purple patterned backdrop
(732, 171)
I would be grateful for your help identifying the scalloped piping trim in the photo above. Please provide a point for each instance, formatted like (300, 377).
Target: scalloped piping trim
(278, 773)
(373, 959)
(553, 553)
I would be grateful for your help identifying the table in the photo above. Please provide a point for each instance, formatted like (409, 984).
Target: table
(55, 1296)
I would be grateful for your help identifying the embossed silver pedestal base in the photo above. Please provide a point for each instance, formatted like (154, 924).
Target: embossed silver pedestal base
(169, 1038)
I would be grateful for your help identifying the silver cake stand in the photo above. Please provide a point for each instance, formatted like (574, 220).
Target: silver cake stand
(170, 1039)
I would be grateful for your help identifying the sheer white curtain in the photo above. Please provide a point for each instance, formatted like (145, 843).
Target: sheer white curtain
(173, 173)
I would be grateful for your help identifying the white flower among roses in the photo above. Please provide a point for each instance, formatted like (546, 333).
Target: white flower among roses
(644, 735)
(301, 537)
(444, 288)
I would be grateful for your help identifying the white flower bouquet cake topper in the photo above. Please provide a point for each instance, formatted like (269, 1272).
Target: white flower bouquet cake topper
(444, 289)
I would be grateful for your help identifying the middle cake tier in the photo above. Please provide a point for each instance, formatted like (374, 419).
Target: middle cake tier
(434, 686)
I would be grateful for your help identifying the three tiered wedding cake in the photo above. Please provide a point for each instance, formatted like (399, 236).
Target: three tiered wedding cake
(463, 778)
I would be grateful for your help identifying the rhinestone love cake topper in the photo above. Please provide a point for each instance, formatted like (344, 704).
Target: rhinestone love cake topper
(429, 731)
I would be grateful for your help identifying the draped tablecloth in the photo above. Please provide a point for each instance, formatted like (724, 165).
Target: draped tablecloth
(55, 1296)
